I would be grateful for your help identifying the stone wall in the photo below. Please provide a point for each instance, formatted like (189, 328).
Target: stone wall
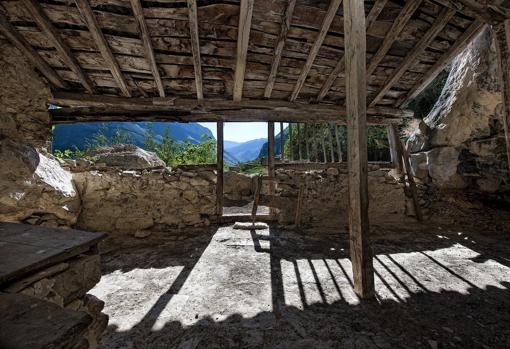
(23, 98)
(460, 144)
(325, 196)
(135, 200)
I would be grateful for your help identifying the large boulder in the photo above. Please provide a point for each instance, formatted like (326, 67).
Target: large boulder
(463, 136)
(238, 186)
(127, 156)
(33, 183)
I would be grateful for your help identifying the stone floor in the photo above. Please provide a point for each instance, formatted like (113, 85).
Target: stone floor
(277, 289)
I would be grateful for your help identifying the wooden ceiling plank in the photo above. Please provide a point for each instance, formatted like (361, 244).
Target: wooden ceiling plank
(102, 44)
(371, 17)
(7, 30)
(467, 37)
(195, 46)
(243, 37)
(280, 43)
(326, 23)
(136, 6)
(438, 25)
(44, 23)
(398, 25)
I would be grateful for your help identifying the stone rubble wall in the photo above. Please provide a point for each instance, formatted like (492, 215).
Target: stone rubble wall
(325, 196)
(461, 144)
(23, 97)
(135, 200)
(66, 284)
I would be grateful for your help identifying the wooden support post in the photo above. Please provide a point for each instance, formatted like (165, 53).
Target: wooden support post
(282, 142)
(502, 31)
(219, 168)
(338, 144)
(331, 147)
(315, 147)
(356, 103)
(323, 142)
(307, 143)
(412, 184)
(195, 46)
(291, 144)
(300, 150)
(270, 159)
(395, 148)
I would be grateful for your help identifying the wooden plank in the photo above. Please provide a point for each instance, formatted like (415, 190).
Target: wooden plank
(7, 30)
(315, 146)
(219, 168)
(299, 140)
(323, 142)
(195, 46)
(460, 44)
(291, 143)
(307, 143)
(339, 67)
(338, 144)
(147, 43)
(102, 45)
(256, 198)
(355, 66)
(502, 35)
(398, 25)
(44, 23)
(411, 58)
(395, 148)
(280, 44)
(243, 37)
(412, 184)
(326, 23)
(25, 249)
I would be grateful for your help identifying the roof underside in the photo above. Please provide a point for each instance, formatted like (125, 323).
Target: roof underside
(168, 24)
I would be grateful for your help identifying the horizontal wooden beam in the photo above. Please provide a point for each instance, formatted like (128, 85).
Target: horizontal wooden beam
(7, 30)
(173, 104)
(488, 11)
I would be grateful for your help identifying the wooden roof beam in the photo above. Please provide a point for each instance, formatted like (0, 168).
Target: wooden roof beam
(398, 25)
(287, 17)
(243, 37)
(44, 23)
(438, 25)
(465, 39)
(147, 44)
(371, 17)
(326, 23)
(488, 11)
(195, 46)
(7, 30)
(102, 44)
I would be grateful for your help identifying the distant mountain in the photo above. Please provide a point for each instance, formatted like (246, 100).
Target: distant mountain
(79, 134)
(230, 144)
(245, 151)
(277, 143)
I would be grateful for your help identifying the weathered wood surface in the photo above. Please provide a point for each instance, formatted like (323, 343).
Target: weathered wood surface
(219, 168)
(31, 323)
(356, 70)
(280, 47)
(25, 249)
(412, 183)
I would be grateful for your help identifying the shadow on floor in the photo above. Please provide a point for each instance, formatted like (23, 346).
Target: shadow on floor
(433, 291)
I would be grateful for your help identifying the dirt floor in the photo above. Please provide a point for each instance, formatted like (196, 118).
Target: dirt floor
(279, 289)
(241, 207)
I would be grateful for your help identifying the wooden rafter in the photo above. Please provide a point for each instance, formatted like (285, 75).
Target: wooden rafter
(147, 44)
(44, 23)
(280, 43)
(359, 230)
(438, 25)
(398, 25)
(371, 17)
(102, 44)
(326, 23)
(7, 30)
(459, 45)
(243, 37)
(195, 46)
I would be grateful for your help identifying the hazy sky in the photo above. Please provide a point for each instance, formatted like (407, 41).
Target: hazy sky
(242, 131)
